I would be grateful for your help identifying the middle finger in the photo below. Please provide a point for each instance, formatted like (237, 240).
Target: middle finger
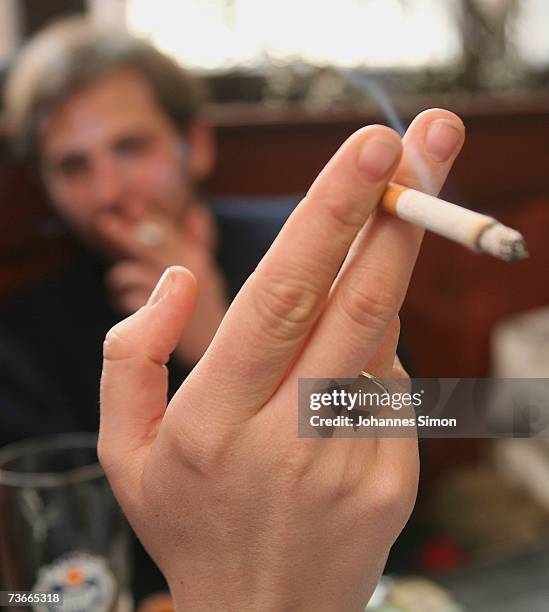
(277, 307)
(371, 288)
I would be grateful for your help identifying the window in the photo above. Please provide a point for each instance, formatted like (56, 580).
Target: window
(529, 32)
(223, 34)
(472, 43)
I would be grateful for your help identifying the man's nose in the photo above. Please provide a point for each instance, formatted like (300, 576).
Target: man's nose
(107, 186)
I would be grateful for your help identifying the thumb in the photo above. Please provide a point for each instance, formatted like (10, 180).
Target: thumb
(134, 382)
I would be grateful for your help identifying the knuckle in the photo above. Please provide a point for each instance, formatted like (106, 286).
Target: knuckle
(115, 346)
(346, 485)
(286, 305)
(344, 214)
(396, 494)
(301, 468)
(371, 306)
(105, 455)
(400, 375)
(300, 461)
(294, 466)
(207, 454)
(388, 496)
(208, 459)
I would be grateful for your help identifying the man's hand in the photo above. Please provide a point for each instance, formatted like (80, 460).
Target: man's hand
(238, 512)
(149, 242)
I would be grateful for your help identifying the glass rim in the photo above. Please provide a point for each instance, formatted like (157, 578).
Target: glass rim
(45, 479)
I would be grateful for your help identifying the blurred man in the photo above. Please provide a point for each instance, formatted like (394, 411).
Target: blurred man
(114, 128)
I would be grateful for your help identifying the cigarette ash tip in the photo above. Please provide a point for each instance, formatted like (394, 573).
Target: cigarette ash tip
(503, 242)
(517, 250)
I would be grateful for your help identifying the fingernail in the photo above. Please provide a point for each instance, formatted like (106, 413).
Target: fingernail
(162, 288)
(442, 139)
(378, 157)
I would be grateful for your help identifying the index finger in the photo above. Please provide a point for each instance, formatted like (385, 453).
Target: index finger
(278, 305)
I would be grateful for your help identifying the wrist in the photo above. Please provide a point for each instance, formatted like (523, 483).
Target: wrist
(221, 591)
(208, 599)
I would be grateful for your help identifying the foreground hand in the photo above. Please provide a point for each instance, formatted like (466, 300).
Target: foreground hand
(151, 242)
(238, 512)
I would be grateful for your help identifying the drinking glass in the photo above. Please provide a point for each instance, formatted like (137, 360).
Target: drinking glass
(61, 529)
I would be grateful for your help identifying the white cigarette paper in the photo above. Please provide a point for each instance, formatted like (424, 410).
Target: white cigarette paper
(474, 230)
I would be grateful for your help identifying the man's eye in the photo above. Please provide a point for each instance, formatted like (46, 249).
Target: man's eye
(72, 166)
(131, 146)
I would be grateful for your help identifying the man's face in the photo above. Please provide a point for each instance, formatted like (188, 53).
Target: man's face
(110, 148)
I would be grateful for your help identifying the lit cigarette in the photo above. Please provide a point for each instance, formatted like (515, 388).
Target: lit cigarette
(150, 234)
(476, 231)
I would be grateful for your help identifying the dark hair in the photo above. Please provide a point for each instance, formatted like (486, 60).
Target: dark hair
(74, 53)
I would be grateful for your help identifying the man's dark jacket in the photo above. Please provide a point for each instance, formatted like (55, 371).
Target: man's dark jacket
(51, 333)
